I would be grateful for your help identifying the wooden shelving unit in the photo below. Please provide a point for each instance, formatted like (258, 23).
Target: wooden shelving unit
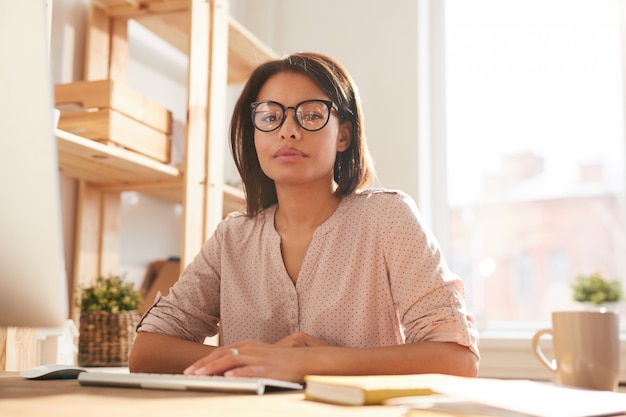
(220, 51)
(245, 52)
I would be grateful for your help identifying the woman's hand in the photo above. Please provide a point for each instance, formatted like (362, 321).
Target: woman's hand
(299, 354)
(282, 360)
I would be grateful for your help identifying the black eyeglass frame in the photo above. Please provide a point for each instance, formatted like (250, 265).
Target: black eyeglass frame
(328, 104)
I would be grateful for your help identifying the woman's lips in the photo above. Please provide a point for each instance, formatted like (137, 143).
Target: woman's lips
(289, 155)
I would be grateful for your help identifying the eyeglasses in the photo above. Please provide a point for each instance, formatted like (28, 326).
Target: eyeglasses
(311, 115)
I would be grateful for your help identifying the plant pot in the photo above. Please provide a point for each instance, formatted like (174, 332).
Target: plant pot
(105, 338)
(612, 306)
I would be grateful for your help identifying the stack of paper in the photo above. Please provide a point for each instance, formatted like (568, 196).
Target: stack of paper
(466, 396)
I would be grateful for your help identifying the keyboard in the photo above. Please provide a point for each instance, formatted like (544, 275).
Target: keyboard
(181, 382)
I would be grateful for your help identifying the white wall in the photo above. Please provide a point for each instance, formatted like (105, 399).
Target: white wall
(376, 41)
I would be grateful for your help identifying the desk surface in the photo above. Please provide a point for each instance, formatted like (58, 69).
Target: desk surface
(66, 398)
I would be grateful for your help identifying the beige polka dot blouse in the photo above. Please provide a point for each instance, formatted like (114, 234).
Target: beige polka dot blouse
(373, 276)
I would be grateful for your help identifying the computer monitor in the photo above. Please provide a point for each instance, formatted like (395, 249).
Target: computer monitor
(33, 285)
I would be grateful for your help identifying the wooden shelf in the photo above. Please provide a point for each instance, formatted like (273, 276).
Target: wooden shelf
(111, 166)
(117, 169)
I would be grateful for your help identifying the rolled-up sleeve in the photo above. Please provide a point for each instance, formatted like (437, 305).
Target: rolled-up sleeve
(429, 298)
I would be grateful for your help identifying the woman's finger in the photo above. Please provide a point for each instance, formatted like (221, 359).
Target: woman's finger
(218, 361)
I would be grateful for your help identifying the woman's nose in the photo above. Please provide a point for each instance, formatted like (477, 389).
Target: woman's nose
(290, 128)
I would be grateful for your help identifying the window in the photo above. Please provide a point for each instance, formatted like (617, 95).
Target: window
(535, 151)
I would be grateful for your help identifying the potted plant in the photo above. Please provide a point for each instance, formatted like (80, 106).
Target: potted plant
(108, 317)
(597, 291)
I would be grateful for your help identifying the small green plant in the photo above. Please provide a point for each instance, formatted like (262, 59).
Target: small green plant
(595, 289)
(111, 294)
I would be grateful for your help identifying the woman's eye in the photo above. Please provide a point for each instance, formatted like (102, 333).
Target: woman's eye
(310, 116)
(269, 117)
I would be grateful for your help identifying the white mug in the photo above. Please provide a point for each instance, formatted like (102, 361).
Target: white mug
(586, 349)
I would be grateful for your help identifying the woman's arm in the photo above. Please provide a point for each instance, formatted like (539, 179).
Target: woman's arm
(411, 358)
(250, 358)
(161, 353)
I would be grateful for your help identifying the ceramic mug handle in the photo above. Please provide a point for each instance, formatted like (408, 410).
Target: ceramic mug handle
(550, 365)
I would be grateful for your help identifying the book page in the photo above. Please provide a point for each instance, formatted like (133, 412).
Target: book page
(535, 398)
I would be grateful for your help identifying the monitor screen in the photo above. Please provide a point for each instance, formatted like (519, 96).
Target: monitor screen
(33, 285)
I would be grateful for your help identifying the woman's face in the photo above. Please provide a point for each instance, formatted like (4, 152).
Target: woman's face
(291, 155)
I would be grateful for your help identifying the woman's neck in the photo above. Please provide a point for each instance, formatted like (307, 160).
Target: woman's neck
(300, 207)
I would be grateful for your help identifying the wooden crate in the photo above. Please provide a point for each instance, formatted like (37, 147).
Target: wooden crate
(107, 111)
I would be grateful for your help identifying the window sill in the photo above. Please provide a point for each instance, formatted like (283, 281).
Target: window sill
(509, 355)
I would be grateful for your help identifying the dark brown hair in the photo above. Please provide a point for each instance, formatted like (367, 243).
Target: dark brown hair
(353, 168)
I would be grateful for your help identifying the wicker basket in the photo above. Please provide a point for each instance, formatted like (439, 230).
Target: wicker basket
(106, 338)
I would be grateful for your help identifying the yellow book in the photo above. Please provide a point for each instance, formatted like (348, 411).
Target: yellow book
(369, 389)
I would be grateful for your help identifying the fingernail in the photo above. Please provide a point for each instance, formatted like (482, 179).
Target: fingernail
(199, 371)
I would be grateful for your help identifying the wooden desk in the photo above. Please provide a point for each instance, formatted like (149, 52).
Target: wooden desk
(66, 398)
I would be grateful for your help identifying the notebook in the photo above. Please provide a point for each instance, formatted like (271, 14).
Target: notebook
(181, 382)
(367, 389)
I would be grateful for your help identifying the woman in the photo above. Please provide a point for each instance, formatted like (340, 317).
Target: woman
(320, 276)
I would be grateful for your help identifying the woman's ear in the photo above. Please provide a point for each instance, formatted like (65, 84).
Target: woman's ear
(345, 136)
